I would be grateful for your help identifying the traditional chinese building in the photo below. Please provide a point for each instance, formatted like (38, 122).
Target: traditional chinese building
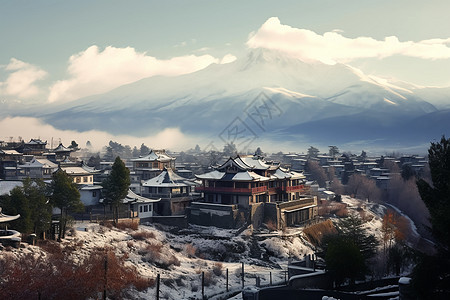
(176, 192)
(37, 168)
(246, 184)
(33, 147)
(62, 152)
(151, 165)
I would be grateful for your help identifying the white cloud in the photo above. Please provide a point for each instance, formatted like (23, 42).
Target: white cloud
(93, 71)
(21, 81)
(169, 138)
(333, 47)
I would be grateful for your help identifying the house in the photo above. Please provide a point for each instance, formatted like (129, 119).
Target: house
(247, 184)
(37, 168)
(141, 207)
(176, 192)
(151, 165)
(34, 147)
(80, 173)
(9, 161)
(62, 152)
(90, 194)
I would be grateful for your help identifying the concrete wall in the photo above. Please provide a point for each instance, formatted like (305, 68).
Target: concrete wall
(209, 214)
(177, 221)
(257, 214)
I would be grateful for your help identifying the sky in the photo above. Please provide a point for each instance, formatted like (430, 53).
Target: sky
(57, 51)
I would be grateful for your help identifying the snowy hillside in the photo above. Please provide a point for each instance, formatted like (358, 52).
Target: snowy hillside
(180, 256)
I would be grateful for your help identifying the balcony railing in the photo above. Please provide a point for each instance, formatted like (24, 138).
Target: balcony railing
(232, 190)
(295, 188)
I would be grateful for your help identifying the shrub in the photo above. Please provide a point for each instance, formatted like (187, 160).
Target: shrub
(209, 279)
(75, 279)
(190, 250)
(142, 235)
(217, 268)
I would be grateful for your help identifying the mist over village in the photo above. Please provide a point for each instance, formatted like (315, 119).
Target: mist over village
(225, 150)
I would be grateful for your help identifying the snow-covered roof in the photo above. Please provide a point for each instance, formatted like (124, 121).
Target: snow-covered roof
(6, 218)
(10, 152)
(92, 187)
(36, 142)
(61, 148)
(155, 155)
(255, 162)
(7, 186)
(168, 178)
(135, 198)
(75, 170)
(213, 175)
(40, 163)
(239, 176)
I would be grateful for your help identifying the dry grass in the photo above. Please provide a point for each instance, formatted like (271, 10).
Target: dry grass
(271, 225)
(128, 224)
(316, 232)
(190, 250)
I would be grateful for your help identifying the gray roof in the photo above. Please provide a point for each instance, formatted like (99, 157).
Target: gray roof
(7, 186)
(168, 178)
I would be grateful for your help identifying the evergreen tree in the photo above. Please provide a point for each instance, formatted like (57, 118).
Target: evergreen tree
(17, 203)
(352, 227)
(66, 197)
(333, 151)
(431, 276)
(343, 259)
(36, 192)
(116, 185)
(313, 152)
(230, 149)
(348, 252)
(135, 152)
(94, 161)
(144, 150)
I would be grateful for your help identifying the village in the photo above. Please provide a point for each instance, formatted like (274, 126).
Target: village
(268, 198)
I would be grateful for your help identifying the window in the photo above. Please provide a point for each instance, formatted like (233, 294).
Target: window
(145, 208)
(150, 207)
(140, 208)
(78, 179)
(85, 179)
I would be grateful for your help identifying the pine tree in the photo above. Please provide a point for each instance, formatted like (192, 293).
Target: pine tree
(66, 197)
(431, 276)
(116, 185)
(36, 192)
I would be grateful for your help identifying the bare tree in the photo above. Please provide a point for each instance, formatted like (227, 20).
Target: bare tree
(317, 172)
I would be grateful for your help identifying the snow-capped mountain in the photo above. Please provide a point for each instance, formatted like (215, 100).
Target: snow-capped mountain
(271, 93)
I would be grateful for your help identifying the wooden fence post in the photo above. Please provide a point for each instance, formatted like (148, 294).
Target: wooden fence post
(158, 278)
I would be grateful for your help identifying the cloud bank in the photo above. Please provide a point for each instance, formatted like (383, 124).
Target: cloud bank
(332, 47)
(94, 71)
(169, 138)
(21, 80)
